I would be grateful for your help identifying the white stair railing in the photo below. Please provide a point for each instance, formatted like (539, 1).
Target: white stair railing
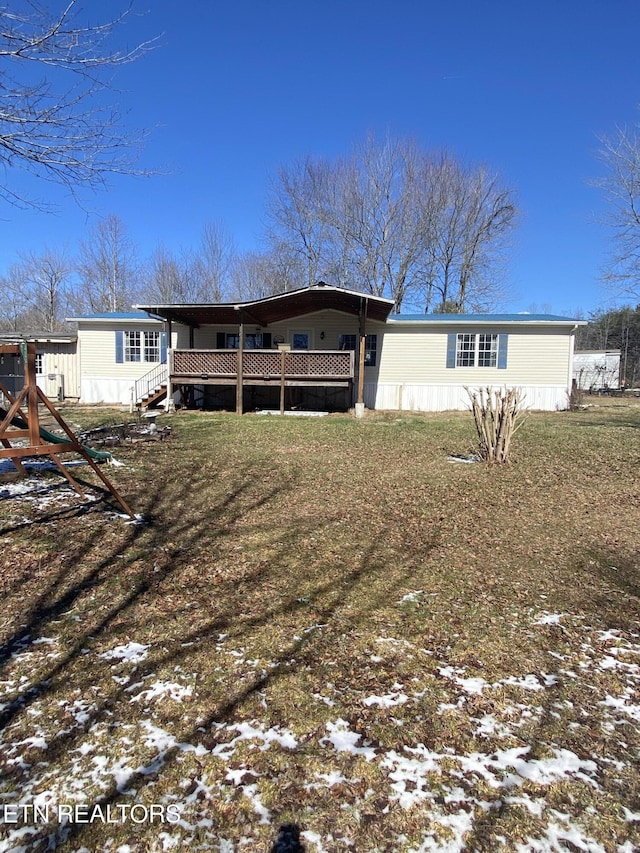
(150, 382)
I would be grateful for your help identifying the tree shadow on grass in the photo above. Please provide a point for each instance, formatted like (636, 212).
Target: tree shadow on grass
(126, 584)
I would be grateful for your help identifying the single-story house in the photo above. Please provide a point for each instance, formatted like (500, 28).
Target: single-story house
(596, 370)
(57, 364)
(321, 347)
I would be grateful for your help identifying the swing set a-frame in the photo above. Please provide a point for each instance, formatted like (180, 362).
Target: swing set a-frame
(20, 422)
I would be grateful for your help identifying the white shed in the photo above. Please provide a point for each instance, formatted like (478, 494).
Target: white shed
(596, 370)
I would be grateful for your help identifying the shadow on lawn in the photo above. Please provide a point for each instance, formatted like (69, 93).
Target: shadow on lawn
(133, 577)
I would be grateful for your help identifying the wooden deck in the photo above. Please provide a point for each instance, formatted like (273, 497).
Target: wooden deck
(261, 367)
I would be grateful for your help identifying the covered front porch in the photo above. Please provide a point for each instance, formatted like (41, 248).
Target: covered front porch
(268, 348)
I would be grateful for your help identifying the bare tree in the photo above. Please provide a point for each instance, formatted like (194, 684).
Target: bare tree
(211, 264)
(393, 220)
(297, 211)
(472, 219)
(43, 282)
(107, 268)
(621, 156)
(382, 220)
(255, 275)
(59, 125)
(14, 305)
(166, 279)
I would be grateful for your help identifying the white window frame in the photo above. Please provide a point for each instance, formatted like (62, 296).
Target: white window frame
(152, 346)
(141, 346)
(477, 349)
(350, 342)
(132, 349)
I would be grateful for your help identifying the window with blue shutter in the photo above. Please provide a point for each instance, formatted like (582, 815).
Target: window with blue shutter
(503, 341)
(477, 349)
(119, 347)
(451, 349)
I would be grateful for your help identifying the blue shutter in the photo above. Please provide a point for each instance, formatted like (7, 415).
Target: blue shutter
(221, 340)
(266, 340)
(451, 349)
(163, 347)
(119, 347)
(503, 341)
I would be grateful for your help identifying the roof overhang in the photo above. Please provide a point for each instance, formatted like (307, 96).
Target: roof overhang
(40, 338)
(273, 309)
(429, 321)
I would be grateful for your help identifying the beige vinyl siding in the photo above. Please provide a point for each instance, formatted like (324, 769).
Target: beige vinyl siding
(59, 361)
(332, 323)
(419, 355)
(97, 345)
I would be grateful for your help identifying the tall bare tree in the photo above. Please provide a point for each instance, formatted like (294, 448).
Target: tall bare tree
(255, 275)
(394, 220)
(107, 268)
(14, 305)
(55, 119)
(43, 282)
(297, 214)
(211, 264)
(621, 184)
(166, 279)
(471, 219)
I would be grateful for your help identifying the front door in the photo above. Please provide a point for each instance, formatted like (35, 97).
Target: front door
(300, 339)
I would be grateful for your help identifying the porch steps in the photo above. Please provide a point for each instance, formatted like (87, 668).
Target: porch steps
(153, 398)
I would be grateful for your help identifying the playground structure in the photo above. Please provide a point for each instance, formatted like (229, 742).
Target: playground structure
(21, 422)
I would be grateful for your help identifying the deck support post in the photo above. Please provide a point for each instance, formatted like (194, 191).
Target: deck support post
(170, 407)
(361, 357)
(239, 378)
(282, 380)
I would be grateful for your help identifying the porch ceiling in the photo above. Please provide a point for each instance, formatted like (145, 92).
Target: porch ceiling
(284, 306)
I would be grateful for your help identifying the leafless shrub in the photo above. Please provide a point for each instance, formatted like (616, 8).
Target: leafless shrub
(497, 415)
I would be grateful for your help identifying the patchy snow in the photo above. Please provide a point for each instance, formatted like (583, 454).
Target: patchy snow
(411, 596)
(548, 619)
(344, 740)
(387, 701)
(171, 689)
(84, 746)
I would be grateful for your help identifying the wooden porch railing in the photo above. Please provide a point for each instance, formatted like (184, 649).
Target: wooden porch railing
(258, 366)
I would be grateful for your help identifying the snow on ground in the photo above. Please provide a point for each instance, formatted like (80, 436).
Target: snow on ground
(68, 753)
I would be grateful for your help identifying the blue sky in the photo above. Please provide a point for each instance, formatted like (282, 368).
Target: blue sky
(236, 89)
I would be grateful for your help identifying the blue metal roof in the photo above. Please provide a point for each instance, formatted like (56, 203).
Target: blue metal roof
(484, 318)
(114, 315)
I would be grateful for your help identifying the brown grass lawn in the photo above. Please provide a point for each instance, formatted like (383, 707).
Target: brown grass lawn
(328, 621)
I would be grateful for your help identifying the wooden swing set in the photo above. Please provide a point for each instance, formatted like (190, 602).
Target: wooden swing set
(21, 422)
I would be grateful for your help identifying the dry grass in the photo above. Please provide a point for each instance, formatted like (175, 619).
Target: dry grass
(343, 629)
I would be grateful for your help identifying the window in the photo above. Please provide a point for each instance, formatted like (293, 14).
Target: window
(39, 363)
(151, 346)
(476, 350)
(300, 340)
(371, 350)
(370, 347)
(487, 350)
(347, 342)
(466, 349)
(135, 345)
(231, 340)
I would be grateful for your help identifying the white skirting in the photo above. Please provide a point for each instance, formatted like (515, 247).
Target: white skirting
(442, 398)
(103, 389)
